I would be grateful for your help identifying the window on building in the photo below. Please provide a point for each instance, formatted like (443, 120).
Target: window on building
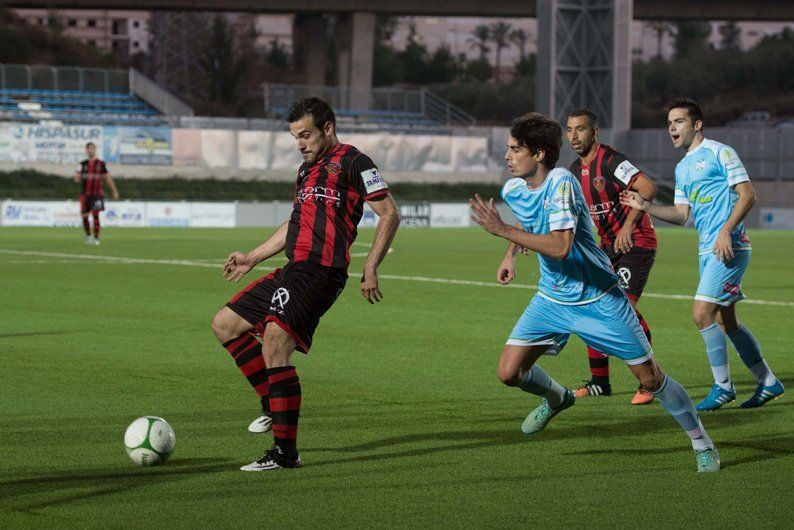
(72, 23)
(91, 42)
(135, 44)
(136, 24)
(91, 23)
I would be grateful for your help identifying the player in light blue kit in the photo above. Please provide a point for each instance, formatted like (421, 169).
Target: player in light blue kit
(577, 293)
(711, 182)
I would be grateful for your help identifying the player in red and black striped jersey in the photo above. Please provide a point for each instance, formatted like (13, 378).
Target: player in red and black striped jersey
(90, 175)
(284, 307)
(627, 235)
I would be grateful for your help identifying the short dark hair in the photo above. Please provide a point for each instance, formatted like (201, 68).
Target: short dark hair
(591, 116)
(90, 143)
(691, 106)
(320, 111)
(536, 131)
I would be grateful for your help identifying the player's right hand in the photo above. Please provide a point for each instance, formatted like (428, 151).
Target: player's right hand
(237, 265)
(506, 272)
(633, 199)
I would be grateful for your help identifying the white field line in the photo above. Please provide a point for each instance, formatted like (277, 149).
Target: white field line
(426, 279)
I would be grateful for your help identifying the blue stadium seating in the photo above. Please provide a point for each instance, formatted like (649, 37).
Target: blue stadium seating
(72, 106)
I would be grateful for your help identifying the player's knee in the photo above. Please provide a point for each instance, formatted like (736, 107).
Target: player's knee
(702, 317)
(220, 327)
(508, 376)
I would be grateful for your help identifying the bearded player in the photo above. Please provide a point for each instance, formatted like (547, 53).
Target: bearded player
(285, 306)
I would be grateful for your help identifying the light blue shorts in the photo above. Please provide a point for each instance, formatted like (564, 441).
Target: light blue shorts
(608, 324)
(721, 283)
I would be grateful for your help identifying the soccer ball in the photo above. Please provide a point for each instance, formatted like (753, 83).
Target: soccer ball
(149, 441)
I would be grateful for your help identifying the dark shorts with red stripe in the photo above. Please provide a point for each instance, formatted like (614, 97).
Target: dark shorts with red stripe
(632, 268)
(293, 297)
(91, 203)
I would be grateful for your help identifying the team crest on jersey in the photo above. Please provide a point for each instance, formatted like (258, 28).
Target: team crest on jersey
(333, 168)
(700, 165)
(599, 183)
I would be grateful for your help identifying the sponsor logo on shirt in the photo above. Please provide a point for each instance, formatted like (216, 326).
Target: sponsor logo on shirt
(625, 171)
(696, 197)
(321, 194)
(373, 181)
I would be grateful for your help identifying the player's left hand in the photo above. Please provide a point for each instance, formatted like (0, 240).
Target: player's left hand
(116, 196)
(723, 247)
(623, 241)
(369, 286)
(486, 215)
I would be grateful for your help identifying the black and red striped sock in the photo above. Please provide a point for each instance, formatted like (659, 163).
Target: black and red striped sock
(599, 366)
(86, 226)
(247, 353)
(96, 224)
(285, 404)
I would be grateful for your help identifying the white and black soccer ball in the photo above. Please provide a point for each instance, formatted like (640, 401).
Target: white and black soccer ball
(149, 441)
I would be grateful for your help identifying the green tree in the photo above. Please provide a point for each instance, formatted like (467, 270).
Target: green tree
(691, 38)
(479, 41)
(223, 67)
(731, 35)
(277, 55)
(499, 33)
(442, 67)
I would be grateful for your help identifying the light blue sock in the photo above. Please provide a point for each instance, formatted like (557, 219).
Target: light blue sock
(676, 402)
(750, 352)
(538, 382)
(717, 351)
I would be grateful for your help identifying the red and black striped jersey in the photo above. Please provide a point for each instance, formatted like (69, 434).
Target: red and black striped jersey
(91, 175)
(609, 173)
(329, 203)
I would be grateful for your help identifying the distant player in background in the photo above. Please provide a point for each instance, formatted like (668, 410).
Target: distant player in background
(627, 235)
(92, 197)
(285, 306)
(712, 183)
(578, 291)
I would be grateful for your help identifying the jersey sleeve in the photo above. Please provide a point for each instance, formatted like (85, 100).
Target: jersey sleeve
(732, 166)
(103, 169)
(367, 179)
(562, 211)
(622, 170)
(679, 195)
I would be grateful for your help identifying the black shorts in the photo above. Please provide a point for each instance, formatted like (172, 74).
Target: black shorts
(92, 203)
(293, 297)
(632, 268)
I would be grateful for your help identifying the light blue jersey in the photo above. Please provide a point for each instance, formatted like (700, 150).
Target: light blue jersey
(558, 204)
(704, 180)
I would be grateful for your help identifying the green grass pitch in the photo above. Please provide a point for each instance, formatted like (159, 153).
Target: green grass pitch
(404, 423)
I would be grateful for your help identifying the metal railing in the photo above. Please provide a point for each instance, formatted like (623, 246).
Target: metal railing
(156, 96)
(42, 77)
(370, 104)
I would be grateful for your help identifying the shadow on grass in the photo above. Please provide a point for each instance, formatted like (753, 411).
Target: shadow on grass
(100, 483)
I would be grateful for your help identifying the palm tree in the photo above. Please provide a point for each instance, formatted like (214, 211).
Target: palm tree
(520, 37)
(479, 40)
(499, 34)
(662, 28)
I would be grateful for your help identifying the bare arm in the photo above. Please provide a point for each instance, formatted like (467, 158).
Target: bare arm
(723, 246)
(76, 177)
(556, 245)
(507, 269)
(647, 190)
(112, 185)
(388, 222)
(238, 264)
(676, 214)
